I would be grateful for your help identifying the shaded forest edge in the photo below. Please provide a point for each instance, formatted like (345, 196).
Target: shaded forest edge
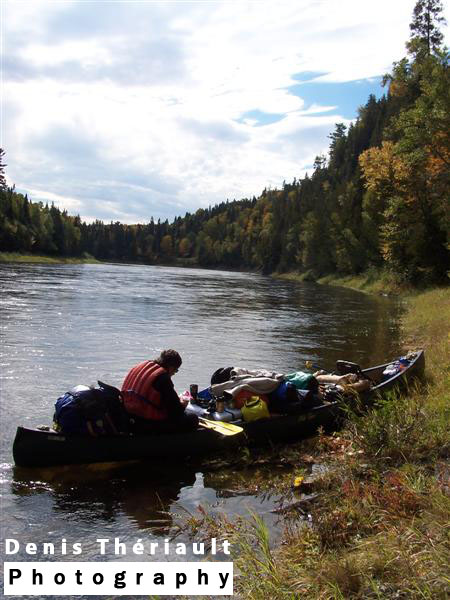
(379, 200)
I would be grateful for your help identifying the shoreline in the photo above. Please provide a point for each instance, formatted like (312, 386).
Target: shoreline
(17, 257)
(377, 509)
(373, 281)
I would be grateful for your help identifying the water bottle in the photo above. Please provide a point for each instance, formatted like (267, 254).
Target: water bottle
(193, 389)
(220, 413)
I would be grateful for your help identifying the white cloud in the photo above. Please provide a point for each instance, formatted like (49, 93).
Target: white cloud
(126, 110)
(73, 205)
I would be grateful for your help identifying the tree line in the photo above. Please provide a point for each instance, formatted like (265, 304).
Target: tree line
(378, 199)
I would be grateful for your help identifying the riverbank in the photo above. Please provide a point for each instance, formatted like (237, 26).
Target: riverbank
(373, 281)
(371, 519)
(41, 259)
(17, 257)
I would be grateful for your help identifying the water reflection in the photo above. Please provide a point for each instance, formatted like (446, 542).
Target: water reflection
(100, 493)
(131, 501)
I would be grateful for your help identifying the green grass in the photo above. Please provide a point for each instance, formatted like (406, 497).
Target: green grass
(380, 527)
(32, 258)
(372, 281)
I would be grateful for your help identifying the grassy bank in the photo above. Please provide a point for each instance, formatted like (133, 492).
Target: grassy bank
(380, 521)
(32, 258)
(373, 281)
(375, 523)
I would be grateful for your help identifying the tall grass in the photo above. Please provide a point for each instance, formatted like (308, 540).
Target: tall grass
(403, 427)
(383, 537)
(372, 281)
(260, 575)
(380, 529)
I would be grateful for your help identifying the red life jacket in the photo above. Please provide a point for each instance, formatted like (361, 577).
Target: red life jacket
(139, 396)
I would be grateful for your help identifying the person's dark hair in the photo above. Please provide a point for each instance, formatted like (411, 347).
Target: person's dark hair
(169, 358)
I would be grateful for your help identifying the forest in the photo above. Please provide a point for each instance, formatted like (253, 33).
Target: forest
(378, 199)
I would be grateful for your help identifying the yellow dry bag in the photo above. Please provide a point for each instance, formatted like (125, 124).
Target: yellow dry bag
(255, 408)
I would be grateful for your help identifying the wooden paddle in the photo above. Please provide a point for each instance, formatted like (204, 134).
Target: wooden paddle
(220, 426)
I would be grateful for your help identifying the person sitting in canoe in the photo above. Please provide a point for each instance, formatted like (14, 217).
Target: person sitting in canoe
(149, 396)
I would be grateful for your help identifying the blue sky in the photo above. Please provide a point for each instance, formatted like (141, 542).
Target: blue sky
(128, 110)
(345, 96)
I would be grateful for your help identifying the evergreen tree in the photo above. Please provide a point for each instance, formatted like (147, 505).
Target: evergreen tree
(426, 36)
(2, 170)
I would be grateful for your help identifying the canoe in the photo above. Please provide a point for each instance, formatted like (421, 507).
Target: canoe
(36, 448)
(330, 415)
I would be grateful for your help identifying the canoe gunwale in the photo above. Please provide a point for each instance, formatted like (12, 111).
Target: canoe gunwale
(35, 448)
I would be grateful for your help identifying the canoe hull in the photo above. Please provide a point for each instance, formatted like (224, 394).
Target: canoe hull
(35, 448)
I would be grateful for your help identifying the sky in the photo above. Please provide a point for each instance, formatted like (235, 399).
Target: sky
(123, 111)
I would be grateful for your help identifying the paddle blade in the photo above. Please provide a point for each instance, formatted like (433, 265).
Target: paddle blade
(220, 426)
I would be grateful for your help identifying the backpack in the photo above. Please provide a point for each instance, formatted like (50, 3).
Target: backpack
(221, 375)
(91, 411)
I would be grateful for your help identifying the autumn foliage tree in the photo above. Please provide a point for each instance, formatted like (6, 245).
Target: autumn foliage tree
(408, 175)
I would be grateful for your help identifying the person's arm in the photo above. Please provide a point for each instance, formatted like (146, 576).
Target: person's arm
(170, 400)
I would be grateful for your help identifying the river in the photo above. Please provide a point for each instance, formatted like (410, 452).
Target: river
(64, 325)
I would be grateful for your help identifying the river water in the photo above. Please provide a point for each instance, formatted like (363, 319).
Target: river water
(64, 325)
